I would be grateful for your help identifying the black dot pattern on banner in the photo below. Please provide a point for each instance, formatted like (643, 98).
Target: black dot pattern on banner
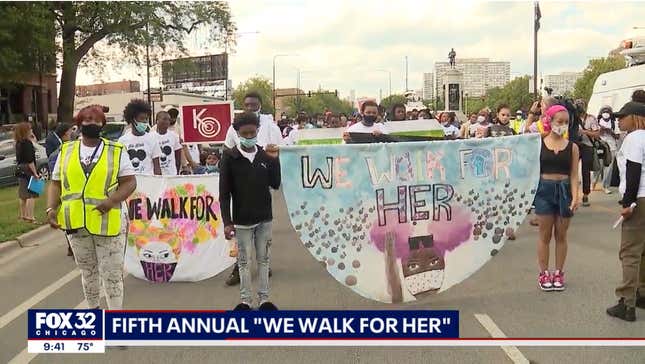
(335, 241)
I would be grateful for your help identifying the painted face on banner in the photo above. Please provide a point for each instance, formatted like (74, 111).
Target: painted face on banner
(158, 261)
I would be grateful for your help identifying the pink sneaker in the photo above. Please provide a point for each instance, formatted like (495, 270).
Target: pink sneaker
(558, 280)
(545, 281)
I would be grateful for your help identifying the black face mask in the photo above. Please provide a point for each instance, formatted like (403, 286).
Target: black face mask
(369, 120)
(91, 131)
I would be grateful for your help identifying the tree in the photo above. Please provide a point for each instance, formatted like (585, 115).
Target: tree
(515, 94)
(584, 86)
(387, 102)
(318, 104)
(257, 84)
(28, 44)
(128, 26)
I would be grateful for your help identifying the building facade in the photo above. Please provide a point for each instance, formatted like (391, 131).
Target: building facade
(428, 86)
(562, 83)
(120, 87)
(480, 75)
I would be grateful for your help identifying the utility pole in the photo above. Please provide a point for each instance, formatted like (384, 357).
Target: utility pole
(536, 27)
(406, 73)
(148, 61)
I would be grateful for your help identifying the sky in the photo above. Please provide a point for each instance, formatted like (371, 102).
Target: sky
(341, 44)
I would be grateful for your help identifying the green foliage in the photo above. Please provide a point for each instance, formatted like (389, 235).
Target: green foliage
(515, 94)
(584, 86)
(257, 84)
(129, 26)
(318, 104)
(26, 40)
(387, 102)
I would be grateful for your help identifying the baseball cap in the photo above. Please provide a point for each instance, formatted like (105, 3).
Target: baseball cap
(631, 108)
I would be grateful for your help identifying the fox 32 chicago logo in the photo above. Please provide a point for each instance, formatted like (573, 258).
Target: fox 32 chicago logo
(65, 324)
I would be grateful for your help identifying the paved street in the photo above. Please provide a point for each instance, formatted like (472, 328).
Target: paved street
(505, 290)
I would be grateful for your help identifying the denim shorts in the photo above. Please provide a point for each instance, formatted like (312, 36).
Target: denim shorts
(553, 198)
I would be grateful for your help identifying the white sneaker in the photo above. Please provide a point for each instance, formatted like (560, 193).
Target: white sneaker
(608, 191)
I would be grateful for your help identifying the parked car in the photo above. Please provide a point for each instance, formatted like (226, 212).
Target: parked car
(8, 161)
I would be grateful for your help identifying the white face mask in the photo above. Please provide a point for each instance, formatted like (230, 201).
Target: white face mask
(480, 119)
(560, 129)
(605, 115)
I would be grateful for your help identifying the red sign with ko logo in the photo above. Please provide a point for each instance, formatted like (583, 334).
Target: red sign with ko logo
(206, 123)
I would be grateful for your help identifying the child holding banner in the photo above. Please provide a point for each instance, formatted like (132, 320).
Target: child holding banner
(247, 173)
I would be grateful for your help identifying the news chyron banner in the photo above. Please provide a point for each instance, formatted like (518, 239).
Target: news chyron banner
(175, 231)
(90, 331)
(206, 122)
(394, 222)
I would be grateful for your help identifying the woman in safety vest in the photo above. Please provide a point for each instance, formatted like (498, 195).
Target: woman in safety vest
(90, 180)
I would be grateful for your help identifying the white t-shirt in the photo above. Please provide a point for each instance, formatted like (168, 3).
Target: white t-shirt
(169, 143)
(633, 149)
(125, 167)
(268, 133)
(607, 133)
(142, 150)
(249, 155)
(362, 128)
(193, 150)
(451, 130)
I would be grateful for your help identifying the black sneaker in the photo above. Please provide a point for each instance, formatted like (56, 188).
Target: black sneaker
(242, 307)
(267, 306)
(622, 311)
(585, 201)
(234, 278)
(640, 300)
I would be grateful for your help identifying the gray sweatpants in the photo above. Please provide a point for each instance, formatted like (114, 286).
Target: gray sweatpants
(100, 258)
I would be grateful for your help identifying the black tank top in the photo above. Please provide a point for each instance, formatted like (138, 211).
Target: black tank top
(555, 163)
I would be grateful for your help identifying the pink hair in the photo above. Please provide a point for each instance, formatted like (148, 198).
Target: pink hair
(549, 114)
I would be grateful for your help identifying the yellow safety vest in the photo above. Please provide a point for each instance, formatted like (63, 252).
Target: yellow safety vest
(81, 193)
(516, 124)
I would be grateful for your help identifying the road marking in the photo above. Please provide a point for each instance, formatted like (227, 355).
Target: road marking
(23, 307)
(512, 352)
(24, 357)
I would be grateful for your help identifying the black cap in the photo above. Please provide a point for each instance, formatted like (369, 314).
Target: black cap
(631, 108)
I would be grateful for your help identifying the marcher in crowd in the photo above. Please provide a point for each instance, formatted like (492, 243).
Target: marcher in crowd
(269, 137)
(517, 124)
(502, 126)
(397, 112)
(466, 127)
(25, 170)
(91, 179)
(247, 173)
(631, 164)
(609, 133)
(369, 110)
(589, 131)
(170, 147)
(556, 198)
(141, 145)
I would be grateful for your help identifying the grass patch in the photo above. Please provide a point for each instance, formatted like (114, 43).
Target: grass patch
(10, 226)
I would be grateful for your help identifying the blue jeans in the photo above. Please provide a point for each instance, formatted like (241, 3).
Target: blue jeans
(260, 238)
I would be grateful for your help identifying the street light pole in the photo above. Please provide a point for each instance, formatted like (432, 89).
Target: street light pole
(406, 73)
(148, 62)
(273, 94)
(389, 79)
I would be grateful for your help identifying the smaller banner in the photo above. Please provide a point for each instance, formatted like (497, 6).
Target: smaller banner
(176, 231)
(206, 123)
(428, 129)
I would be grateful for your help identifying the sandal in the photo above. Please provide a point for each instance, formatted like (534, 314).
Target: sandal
(31, 221)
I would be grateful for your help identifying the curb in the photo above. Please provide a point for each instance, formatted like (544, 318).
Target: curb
(26, 239)
(8, 246)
